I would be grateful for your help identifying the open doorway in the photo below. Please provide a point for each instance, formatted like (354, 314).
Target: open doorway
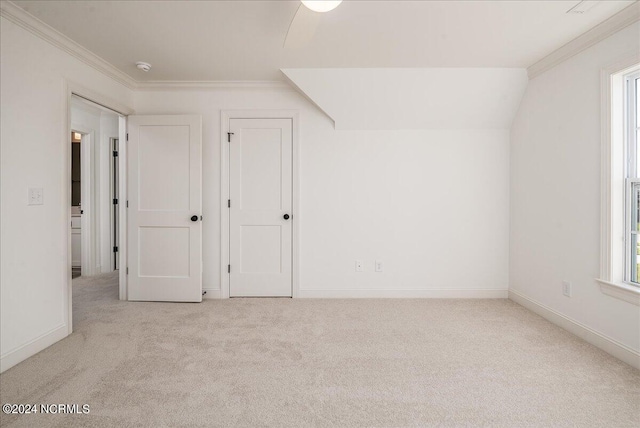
(101, 123)
(94, 212)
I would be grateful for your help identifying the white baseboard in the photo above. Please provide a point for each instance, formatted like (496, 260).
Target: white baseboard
(406, 294)
(31, 348)
(607, 344)
(212, 293)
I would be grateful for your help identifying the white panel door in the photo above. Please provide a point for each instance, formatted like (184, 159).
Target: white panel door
(260, 217)
(165, 208)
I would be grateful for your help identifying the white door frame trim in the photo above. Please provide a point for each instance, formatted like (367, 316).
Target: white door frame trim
(112, 195)
(88, 265)
(225, 116)
(122, 207)
(72, 88)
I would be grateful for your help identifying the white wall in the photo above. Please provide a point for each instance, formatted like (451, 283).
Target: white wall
(555, 192)
(33, 154)
(431, 204)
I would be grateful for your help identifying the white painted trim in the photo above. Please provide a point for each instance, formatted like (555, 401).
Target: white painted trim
(20, 17)
(617, 22)
(225, 115)
(66, 208)
(295, 123)
(607, 344)
(98, 98)
(160, 85)
(212, 294)
(31, 348)
(122, 207)
(606, 225)
(224, 209)
(88, 218)
(441, 293)
(625, 292)
(112, 196)
(606, 165)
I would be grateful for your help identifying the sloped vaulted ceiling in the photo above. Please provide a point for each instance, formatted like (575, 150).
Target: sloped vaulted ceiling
(426, 98)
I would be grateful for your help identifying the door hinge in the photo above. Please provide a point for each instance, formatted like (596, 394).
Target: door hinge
(115, 201)
(115, 249)
(229, 134)
(229, 203)
(127, 136)
(228, 268)
(127, 203)
(115, 153)
(127, 270)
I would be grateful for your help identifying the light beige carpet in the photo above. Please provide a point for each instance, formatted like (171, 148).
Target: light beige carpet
(283, 362)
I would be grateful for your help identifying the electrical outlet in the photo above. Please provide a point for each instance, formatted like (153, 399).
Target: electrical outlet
(36, 196)
(378, 266)
(566, 288)
(359, 267)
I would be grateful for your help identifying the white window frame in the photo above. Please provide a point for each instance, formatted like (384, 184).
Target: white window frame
(630, 201)
(615, 185)
(632, 175)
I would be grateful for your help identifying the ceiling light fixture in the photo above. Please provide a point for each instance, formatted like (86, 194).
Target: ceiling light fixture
(144, 66)
(321, 5)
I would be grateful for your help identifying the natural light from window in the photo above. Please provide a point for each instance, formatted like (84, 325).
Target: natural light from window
(632, 188)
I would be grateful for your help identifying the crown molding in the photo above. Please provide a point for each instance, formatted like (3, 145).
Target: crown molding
(617, 22)
(24, 19)
(160, 85)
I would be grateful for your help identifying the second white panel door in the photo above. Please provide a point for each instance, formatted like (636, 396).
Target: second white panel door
(260, 212)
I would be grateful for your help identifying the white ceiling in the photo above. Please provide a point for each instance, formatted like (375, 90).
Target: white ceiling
(243, 40)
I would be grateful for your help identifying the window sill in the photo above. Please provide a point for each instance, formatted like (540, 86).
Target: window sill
(625, 292)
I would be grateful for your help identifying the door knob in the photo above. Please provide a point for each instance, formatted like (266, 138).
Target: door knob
(194, 218)
(286, 216)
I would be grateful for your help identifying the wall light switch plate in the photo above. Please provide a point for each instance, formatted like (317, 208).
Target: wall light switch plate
(36, 196)
(566, 288)
(359, 267)
(378, 266)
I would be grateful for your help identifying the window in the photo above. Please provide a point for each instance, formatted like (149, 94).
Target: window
(620, 186)
(632, 178)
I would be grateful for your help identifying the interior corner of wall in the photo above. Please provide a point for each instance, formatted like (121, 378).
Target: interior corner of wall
(290, 81)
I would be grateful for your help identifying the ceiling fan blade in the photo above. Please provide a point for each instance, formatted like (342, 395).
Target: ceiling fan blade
(302, 28)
